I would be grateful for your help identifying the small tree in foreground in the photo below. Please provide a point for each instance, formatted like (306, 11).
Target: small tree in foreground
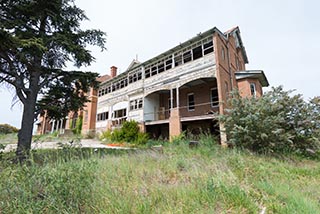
(273, 123)
(37, 39)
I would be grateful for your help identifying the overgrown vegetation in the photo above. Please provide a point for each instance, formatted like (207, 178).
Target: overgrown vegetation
(129, 133)
(205, 179)
(275, 123)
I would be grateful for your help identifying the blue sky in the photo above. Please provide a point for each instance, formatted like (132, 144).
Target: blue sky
(281, 37)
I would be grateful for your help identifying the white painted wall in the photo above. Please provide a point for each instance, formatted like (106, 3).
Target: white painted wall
(120, 105)
(136, 115)
(151, 106)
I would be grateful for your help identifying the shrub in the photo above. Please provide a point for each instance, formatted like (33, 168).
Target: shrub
(128, 133)
(274, 123)
(141, 139)
(130, 130)
(117, 135)
(105, 136)
(7, 129)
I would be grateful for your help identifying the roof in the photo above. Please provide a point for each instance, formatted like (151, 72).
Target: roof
(235, 31)
(133, 64)
(103, 78)
(253, 74)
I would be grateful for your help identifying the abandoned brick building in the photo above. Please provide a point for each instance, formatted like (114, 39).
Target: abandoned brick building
(178, 90)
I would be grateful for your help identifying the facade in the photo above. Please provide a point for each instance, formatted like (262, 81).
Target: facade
(178, 90)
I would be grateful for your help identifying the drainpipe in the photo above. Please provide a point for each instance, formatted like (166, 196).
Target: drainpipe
(229, 66)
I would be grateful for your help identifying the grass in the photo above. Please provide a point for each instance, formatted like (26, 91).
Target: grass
(8, 138)
(207, 179)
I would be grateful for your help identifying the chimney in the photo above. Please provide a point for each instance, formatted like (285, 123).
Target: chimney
(113, 71)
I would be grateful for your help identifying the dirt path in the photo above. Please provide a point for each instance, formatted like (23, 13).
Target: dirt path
(84, 143)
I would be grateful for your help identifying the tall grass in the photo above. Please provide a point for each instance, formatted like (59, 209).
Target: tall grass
(206, 179)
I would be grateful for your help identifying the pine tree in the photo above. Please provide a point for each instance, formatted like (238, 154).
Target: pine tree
(37, 39)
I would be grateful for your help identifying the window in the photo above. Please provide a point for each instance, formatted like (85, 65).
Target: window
(222, 54)
(197, 52)
(226, 87)
(136, 104)
(253, 89)
(187, 56)
(191, 102)
(120, 113)
(102, 116)
(154, 70)
(237, 62)
(214, 97)
(177, 59)
(168, 64)
(161, 67)
(169, 103)
(207, 48)
(139, 75)
(147, 72)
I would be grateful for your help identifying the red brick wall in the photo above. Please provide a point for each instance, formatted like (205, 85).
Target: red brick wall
(244, 87)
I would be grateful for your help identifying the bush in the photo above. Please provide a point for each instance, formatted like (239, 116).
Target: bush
(141, 139)
(130, 130)
(105, 136)
(274, 123)
(7, 129)
(117, 135)
(128, 133)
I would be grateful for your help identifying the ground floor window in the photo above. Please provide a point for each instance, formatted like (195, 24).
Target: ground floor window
(191, 102)
(120, 113)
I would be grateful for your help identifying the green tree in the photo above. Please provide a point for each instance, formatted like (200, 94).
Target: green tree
(275, 123)
(37, 39)
(7, 129)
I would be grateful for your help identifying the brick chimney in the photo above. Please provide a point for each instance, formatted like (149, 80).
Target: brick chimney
(113, 71)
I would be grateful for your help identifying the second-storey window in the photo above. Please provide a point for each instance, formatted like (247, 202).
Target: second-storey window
(214, 98)
(191, 102)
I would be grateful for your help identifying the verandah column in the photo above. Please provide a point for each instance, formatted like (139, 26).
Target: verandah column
(174, 120)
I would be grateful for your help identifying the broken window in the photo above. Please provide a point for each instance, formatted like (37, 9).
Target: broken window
(187, 56)
(214, 98)
(191, 102)
(197, 52)
(207, 48)
(177, 60)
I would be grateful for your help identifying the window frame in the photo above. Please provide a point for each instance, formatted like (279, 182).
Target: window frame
(214, 103)
(191, 107)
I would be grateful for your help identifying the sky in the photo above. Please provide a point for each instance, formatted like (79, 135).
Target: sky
(281, 37)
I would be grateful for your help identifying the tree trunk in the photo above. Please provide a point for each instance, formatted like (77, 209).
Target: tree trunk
(28, 116)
